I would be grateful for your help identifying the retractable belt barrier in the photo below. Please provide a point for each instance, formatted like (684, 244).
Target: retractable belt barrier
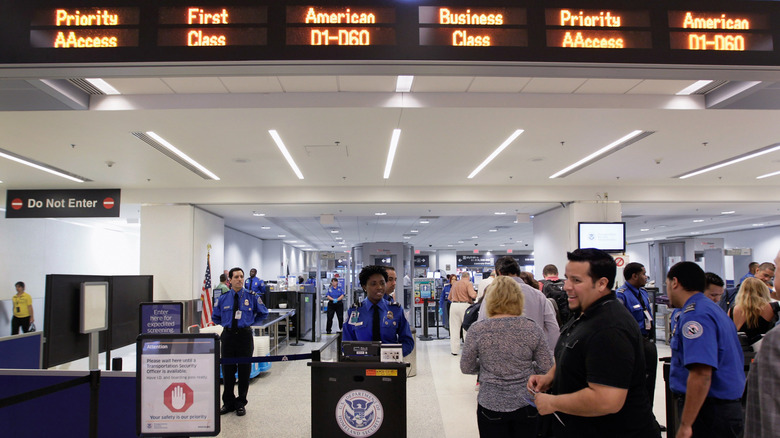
(257, 359)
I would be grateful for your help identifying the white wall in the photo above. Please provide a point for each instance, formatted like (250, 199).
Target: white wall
(639, 252)
(273, 263)
(765, 243)
(208, 229)
(242, 251)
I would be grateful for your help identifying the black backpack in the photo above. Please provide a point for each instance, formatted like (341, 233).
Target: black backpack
(471, 315)
(554, 290)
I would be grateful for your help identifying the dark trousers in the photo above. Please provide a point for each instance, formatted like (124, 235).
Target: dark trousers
(338, 309)
(716, 419)
(521, 423)
(17, 323)
(651, 367)
(236, 344)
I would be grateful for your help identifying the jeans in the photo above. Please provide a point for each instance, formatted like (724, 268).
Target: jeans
(520, 423)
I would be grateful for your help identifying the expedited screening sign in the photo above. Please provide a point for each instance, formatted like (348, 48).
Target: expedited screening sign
(177, 385)
(161, 318)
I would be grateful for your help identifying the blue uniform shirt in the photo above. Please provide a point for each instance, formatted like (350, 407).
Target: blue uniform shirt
(705, 335)
(335, 293)
(255, 285)
(249, 303)
(630, 296)
(445, 296)
(394, 329)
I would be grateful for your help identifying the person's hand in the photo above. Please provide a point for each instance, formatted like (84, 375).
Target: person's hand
(539, 383)
(178, 398)
(544, 403)
(685, 431)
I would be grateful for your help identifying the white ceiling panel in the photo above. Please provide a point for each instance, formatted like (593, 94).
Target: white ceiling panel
(196, 85)
(367, 84)
(656, 86)
(252, 84)
(441, 84)
(309, 84)
(553, 85)
(140, 85)
(497, 85)
(607, 86)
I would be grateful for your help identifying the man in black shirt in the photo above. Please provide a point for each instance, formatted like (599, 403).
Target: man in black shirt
(598, 381)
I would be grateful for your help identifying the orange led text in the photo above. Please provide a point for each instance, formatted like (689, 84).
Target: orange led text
(199, 16)
(449, 17)
(98, 18)
(71, 40)
(722, 22)
(603, 19)
(346, 17)
(577, 40)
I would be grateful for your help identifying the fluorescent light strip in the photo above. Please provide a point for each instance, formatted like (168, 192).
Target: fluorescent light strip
(404, 84)
(285, 152)
(615, 146)
(180, 157)
(41, 166)
(694, 87)
(391, 152)
(495, 153)
(103, 86)
(768, 175)
(734, 160)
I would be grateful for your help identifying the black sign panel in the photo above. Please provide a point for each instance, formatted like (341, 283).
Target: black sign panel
(475, 260)
(62, 203)
(421, 261)
(523, 259)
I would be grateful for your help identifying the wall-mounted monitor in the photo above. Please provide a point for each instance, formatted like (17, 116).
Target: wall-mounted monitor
(606, 236)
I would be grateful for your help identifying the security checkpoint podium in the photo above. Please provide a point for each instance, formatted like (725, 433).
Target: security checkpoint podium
(358, 399)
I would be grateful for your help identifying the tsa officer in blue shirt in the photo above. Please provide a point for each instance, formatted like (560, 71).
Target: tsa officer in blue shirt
(707, 370)
(634, 297)
(376, 319)
(254, 284)
(335, 298)
(236, 311)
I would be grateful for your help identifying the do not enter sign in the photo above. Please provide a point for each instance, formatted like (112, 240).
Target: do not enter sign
(621, 261)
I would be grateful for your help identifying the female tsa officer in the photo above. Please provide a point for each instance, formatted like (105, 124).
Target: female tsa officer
(376, 319)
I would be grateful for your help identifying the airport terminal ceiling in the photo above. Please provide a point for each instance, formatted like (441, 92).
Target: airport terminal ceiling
(337, 120)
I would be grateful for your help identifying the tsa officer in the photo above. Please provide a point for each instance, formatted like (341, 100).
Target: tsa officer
(236, 310)
(376, 319)
(707, 370)
(335, 298)
(254, 284)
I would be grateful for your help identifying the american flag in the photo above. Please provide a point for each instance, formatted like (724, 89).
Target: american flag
(205, 316)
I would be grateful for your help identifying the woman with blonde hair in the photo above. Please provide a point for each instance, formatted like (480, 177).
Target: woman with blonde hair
(754, 312)
(502, 350)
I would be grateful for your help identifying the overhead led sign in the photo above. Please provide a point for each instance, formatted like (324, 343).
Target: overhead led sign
(472, 27)
(719, 31)
(340, 26)
(598, 29)
(196, 26)
(83, 28)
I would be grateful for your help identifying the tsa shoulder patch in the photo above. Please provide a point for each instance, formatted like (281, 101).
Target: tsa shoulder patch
(692, 330)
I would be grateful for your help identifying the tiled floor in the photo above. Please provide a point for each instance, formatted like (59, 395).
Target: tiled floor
(441, 401)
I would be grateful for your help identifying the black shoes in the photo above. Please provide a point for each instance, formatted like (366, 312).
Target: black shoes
(224, 410)
(241, 411)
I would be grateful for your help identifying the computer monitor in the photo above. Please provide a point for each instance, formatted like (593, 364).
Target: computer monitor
(361, 351)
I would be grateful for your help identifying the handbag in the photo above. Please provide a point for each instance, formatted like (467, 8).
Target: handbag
(32, 328)
(471, 315)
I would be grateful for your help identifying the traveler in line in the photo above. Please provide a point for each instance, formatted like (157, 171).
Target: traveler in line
(462, 295)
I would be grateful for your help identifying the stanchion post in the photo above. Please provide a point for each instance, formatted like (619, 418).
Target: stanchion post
(94, 395)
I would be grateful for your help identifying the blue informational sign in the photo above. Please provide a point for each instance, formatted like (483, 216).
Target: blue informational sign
(161, 318)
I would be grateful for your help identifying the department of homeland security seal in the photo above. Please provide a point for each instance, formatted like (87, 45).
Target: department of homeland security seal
(359, 413)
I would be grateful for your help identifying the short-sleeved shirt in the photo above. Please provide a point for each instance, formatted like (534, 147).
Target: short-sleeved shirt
(393, 326)
(705, 335)
(250, 304)
(604, 346)
(335, 293)
(21, 305)
(255, 285)
(637, 302)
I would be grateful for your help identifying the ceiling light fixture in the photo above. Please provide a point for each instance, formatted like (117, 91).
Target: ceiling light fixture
(499, 213)
(254, 213)
(728, 212)
(495, 153)
(334, 231)
(281, 235)
(694, 87)
(613, 147)
(285, 152)
(460, 241)
(42, 166)
(391, 152)
(696, 221)
(103, 86)
(172, 152)
(425, 222)
(493, 230)
(403, 84)
(475, 237)
(381, 213)
(768, 175)
(265, 228)
(746, 156)
(644, 229)
(415, 231)
(758, 225)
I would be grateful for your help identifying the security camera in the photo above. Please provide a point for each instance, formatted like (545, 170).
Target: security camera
(526, 244)
(476, 244)
(333, 246)
(430, 246)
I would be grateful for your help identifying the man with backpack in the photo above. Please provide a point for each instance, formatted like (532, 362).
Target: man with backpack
(552, 287)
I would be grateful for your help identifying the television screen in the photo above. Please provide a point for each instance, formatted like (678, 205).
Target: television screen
(606, 236)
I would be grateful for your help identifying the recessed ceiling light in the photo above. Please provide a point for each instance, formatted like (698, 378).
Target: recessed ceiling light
(514, 222)
(156, 141)
(502, 245)
(768, 175)
(334, 231)
(495, 153)
(695, 232)
(41, 166)
(281, 235)
(460, 241)
(648, 238)
(290, 241)
(103, 86)
(391, 153)
(493, 230)
(415, 231)
(254, 213)
(265, 228)
(500, 212)
(475, 237)
(449, 246)
(627, 140)
(733, 160)
(425, 222)
(403, 84)
(644, 229)
(758, 225)
(380, 214)
(728, 212)
(285, 152)
(407, 237)
(698, 221)
(694, 87)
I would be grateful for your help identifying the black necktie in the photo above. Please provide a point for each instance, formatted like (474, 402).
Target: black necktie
(375, 335)
(235, 307)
